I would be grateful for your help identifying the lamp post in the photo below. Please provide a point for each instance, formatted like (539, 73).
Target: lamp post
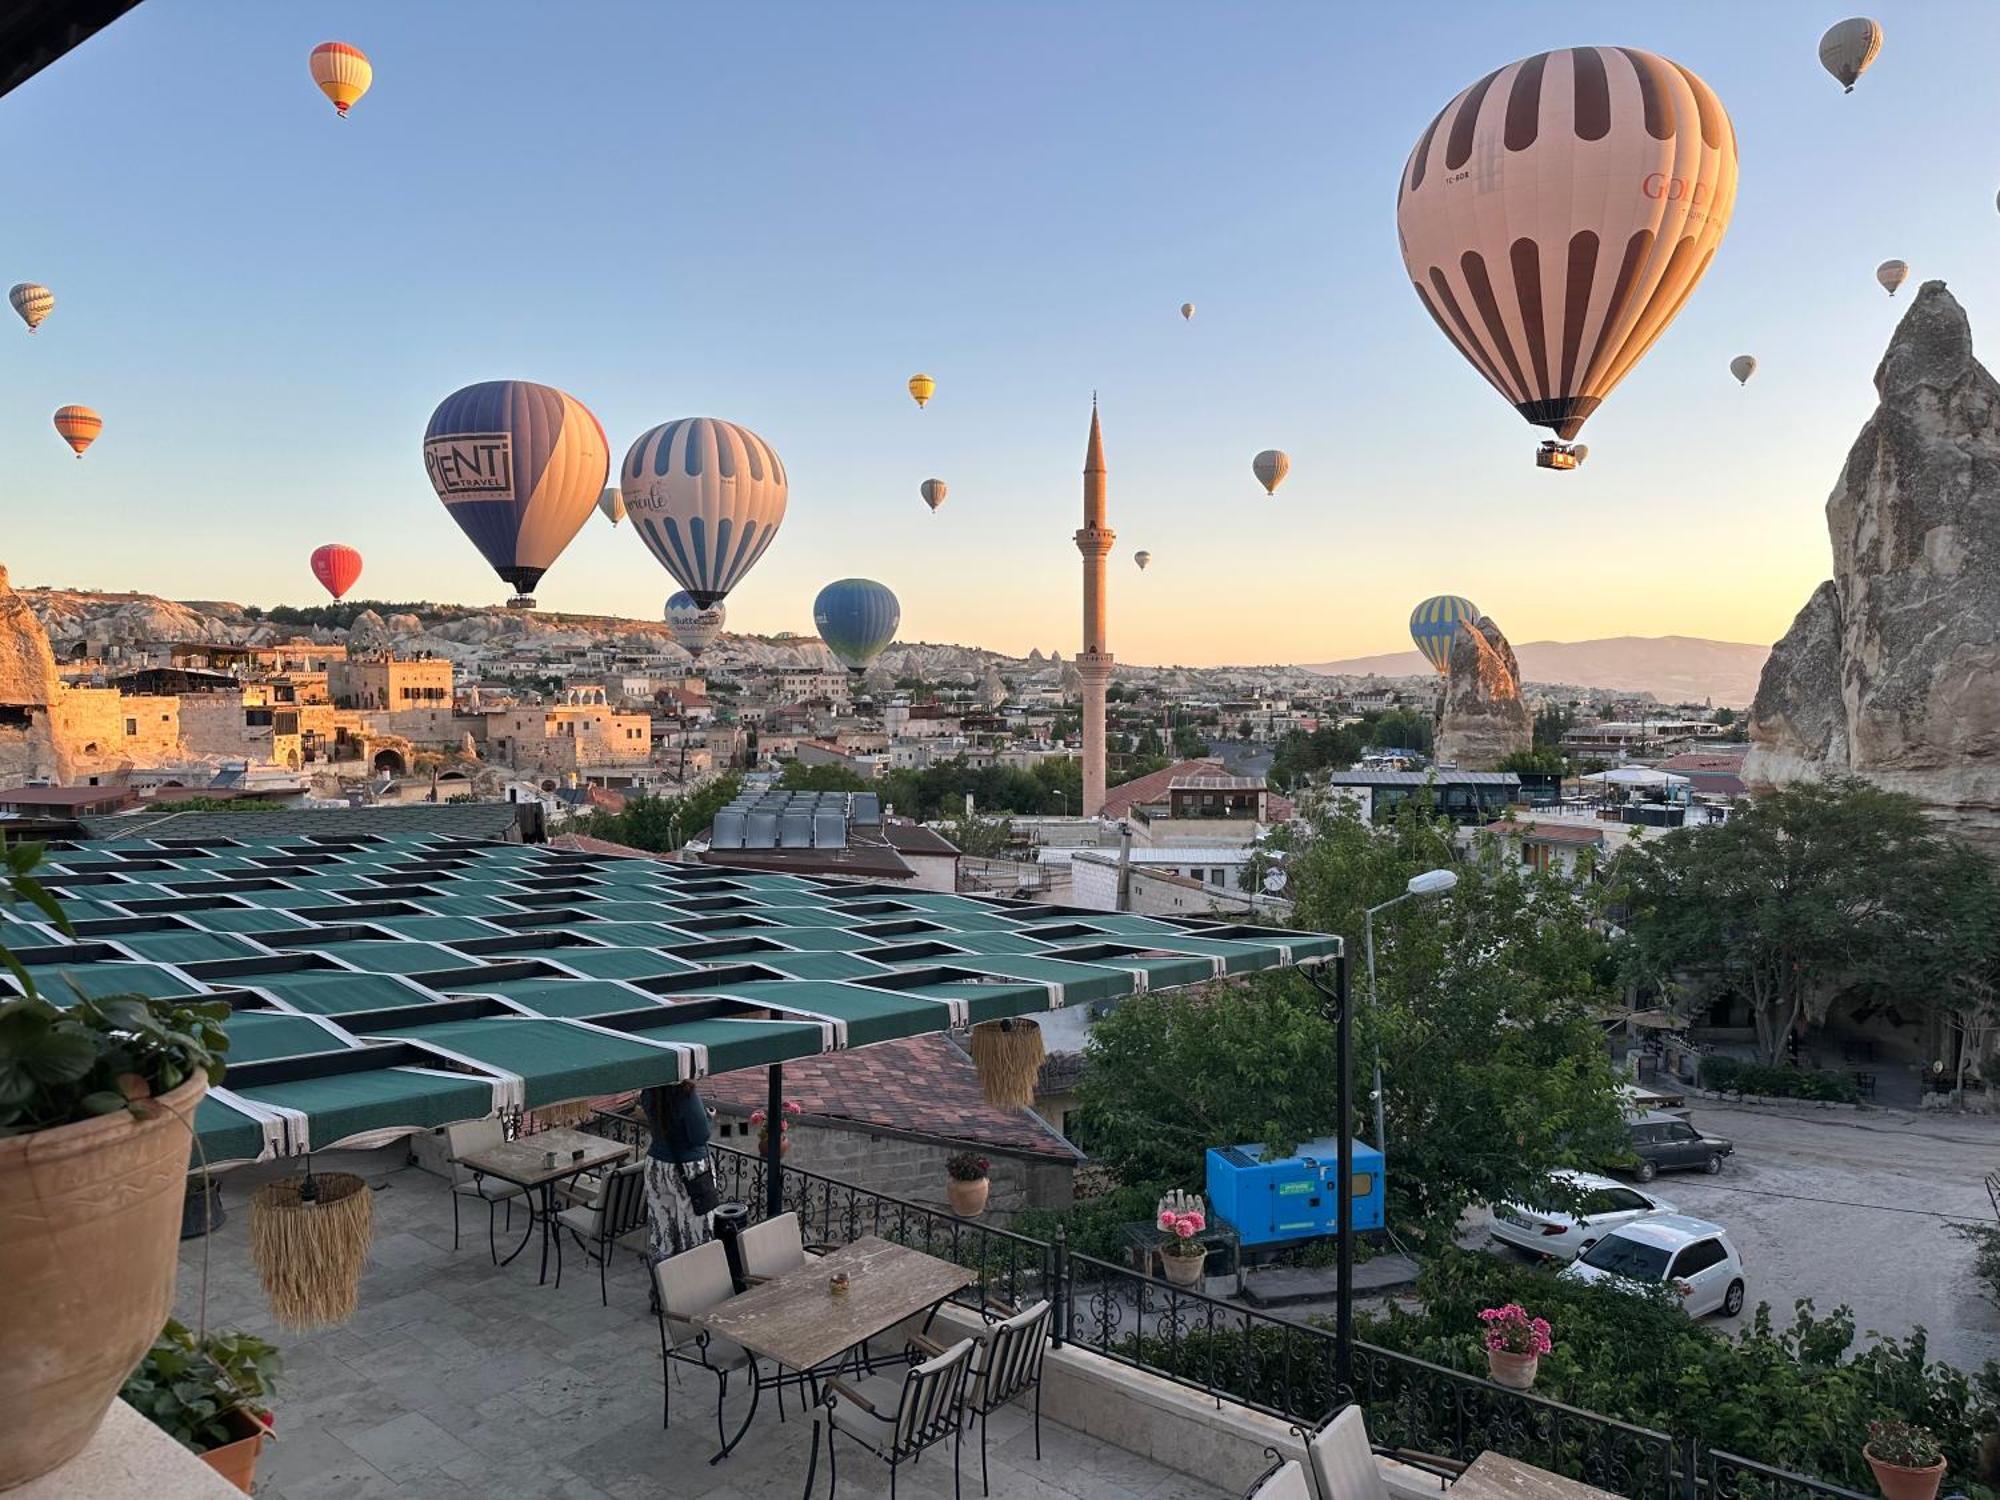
(1336, 1007)
(1430, 883)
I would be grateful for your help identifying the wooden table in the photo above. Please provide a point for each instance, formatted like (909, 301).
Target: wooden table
(1492, 1476)
(524, 1162)
(796, 1321)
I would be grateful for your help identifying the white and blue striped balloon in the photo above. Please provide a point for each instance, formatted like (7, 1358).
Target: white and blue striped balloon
(706, 497)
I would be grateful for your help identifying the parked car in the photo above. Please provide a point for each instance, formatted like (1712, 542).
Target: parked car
(1664, 1144)
(1694, 1256)
(1564, 1235)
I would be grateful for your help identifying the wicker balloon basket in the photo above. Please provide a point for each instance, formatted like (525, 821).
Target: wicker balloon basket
(308, 1239)
(1009, 1057)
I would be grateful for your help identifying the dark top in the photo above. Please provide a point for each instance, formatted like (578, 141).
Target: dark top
(679, 1123)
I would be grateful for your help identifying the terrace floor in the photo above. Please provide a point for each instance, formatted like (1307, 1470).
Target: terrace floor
(458, 1379)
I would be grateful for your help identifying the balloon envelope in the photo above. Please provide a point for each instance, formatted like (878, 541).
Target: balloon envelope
(1848, 47)
(1187, 309)
(933, 491)
(1434, 622)
(1743, 367)
(336, 567)
(921, 387)
(706, 496)
(693, 628)
(611, 504)
(79, 426)
(1271, 466)
(1892, 274)
(1142, 558)
(343, 73)
(857, 618)
(1556, 215)
(32, 301)
(519, 466)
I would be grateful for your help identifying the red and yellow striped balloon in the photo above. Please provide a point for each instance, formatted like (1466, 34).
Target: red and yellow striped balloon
(343, 73)
(79, 426)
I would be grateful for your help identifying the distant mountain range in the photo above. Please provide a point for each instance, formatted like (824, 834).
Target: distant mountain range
(1673, 668)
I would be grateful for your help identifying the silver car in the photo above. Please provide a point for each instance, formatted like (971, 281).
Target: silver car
(1562, 1235)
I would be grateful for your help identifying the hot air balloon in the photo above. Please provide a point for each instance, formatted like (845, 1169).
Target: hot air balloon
(32, 301)
(1892, 274)
(336, 567)
(1142, 558)
(1271, 466)
(693, 628)
(79, 426)
(1743, 367)
(611, 504)
(1434, 622)
(1848, 48)
(857, 618)
(1556, 215)
(1187, 309)
(933, 491)
(921, 387)
(342, 73)
(706, 497)
(519, 466)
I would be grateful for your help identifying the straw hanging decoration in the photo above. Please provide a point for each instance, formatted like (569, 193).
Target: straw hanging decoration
(1009, 1056)
(308, 1238)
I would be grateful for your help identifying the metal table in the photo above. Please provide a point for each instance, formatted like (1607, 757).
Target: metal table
(1143, 1240)
(525, 1163)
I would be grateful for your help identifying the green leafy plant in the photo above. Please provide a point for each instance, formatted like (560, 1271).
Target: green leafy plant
(191, 1388)
(1904, 1444)
(1732, 1075)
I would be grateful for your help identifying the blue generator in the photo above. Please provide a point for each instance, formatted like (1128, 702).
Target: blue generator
(1291, 1197)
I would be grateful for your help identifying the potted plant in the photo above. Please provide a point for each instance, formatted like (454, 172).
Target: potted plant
(1515, 1344)
(1183, 1256)
(758, 1118)
(97, 1101)
(207, 1394)
(1908, 1461)
(967, 1184)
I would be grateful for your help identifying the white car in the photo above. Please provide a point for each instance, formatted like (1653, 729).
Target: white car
(1692, 1255)
(1564, 1236)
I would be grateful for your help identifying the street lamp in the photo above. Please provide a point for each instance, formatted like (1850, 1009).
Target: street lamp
(1430, 883)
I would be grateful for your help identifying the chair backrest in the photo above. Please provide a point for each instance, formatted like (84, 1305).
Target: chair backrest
(624, 1207)
(1013, 1359)
(773, 1247)
(690, 1284)
(468, 1136)
(1343, 1463)
(932, 1392)
(1286, 1482)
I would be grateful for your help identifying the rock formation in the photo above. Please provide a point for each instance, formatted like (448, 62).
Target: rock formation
(1485, 719)
(30, 745)
(1892, 670)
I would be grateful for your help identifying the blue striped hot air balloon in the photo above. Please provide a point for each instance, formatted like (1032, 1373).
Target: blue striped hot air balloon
(706, 497)
(520, 467)
(857, 618)
(1434, 622)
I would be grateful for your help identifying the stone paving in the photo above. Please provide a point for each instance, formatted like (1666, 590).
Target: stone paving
(458, 1379)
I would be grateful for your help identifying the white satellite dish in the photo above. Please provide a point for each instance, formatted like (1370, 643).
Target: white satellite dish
(1274, 881)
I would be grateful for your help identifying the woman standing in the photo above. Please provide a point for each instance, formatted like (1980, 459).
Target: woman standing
(678, 1155)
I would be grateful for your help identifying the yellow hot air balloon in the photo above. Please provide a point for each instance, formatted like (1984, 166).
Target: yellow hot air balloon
(342, 72)
(921, 387)
(79, 426)
(1849, 47)
(1892, 274)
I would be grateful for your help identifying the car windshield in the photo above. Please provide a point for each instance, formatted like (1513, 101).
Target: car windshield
(1628, 1258)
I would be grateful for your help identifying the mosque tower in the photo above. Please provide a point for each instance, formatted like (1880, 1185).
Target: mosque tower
(1093, 663)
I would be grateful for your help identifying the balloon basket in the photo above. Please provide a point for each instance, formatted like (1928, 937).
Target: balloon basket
(521, 601)
(1558, 456)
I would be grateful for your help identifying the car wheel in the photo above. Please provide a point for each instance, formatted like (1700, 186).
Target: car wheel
(1732, 1300)
(1713, 1166)
(1647, 1171)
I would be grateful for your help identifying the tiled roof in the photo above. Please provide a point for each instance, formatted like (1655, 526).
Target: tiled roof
(483, 820)
(1121, 799)
(922, 1084)
(1549, 833)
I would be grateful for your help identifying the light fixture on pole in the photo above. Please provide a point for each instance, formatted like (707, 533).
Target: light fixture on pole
(1430, 883)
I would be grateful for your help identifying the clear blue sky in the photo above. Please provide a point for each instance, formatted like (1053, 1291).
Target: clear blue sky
(777, 213)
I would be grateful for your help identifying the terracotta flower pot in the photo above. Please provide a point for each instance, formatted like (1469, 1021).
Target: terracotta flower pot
(1184, 1270)
(90, 1221)
(968, 1199)
(237, 1461)
(1515, 1371)
(1900, 1482)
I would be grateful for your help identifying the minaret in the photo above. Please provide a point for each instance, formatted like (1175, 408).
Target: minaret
(1093, 663)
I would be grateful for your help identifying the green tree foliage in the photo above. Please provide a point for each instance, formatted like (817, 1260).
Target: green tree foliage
(1188, 743)
(1552, 722)
(983, 838)
(939, 791)
(1540, 761)
(1402, 729)
(661, 824)
(223, 805)
(1298, 754)
(800, 777)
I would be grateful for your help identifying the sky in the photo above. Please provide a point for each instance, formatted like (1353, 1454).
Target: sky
(776, 213)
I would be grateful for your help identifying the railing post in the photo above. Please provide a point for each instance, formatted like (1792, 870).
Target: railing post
(1059, 1293)
(1689, 1453)
(774, 1142)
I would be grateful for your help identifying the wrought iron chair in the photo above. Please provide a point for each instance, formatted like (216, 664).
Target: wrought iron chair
(1342, 1465)
(896, 1420)
(770, 1248)
(688, 1285)
(1284, 1480)
(621, 1215)
(460, 1140)
(1008, 1362)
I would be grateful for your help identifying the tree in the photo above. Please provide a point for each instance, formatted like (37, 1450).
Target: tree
(1403, 729)
(1188, 743)
(983, 838)
(1539, 761)
(1552, 722)
(1725, 716)
(662, 824)
(800, 777)
(1809, 891)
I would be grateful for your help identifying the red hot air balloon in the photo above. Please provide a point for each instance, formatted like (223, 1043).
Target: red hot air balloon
(336, 567)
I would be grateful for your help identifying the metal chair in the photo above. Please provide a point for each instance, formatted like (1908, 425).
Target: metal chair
(621, 1213)
(1284, 1480)
(1009, 1362)
(461, 1139)
(1342, 1460)
(688, 1285)
(770, 1248)
(896, 1420)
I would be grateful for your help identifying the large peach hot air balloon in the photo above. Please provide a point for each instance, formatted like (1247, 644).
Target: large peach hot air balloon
(336, 567)
(79, 426)
(1556, 215)
(342, 72)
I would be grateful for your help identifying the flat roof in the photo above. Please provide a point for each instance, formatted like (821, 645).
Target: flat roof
(71, 797)
(1420, 778)
(1216, 784)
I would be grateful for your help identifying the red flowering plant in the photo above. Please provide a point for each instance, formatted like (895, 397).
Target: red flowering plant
(966, 1166)
(1509, 1330)
(1183, 1216)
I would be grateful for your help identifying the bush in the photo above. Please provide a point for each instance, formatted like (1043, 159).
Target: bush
(1732, 1075)
(1096, 1226)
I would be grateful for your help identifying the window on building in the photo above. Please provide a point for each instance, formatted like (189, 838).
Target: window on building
(131, 726)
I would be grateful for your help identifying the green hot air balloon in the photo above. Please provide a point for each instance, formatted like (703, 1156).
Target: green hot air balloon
(1433, 624)
(857, 618)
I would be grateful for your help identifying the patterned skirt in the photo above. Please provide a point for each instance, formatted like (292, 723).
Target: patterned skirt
(676, 1226)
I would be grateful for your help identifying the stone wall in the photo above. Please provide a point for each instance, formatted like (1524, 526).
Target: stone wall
(908, 1166)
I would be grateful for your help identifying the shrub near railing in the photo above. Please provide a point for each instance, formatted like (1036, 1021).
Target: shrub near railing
(1732, 1075)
